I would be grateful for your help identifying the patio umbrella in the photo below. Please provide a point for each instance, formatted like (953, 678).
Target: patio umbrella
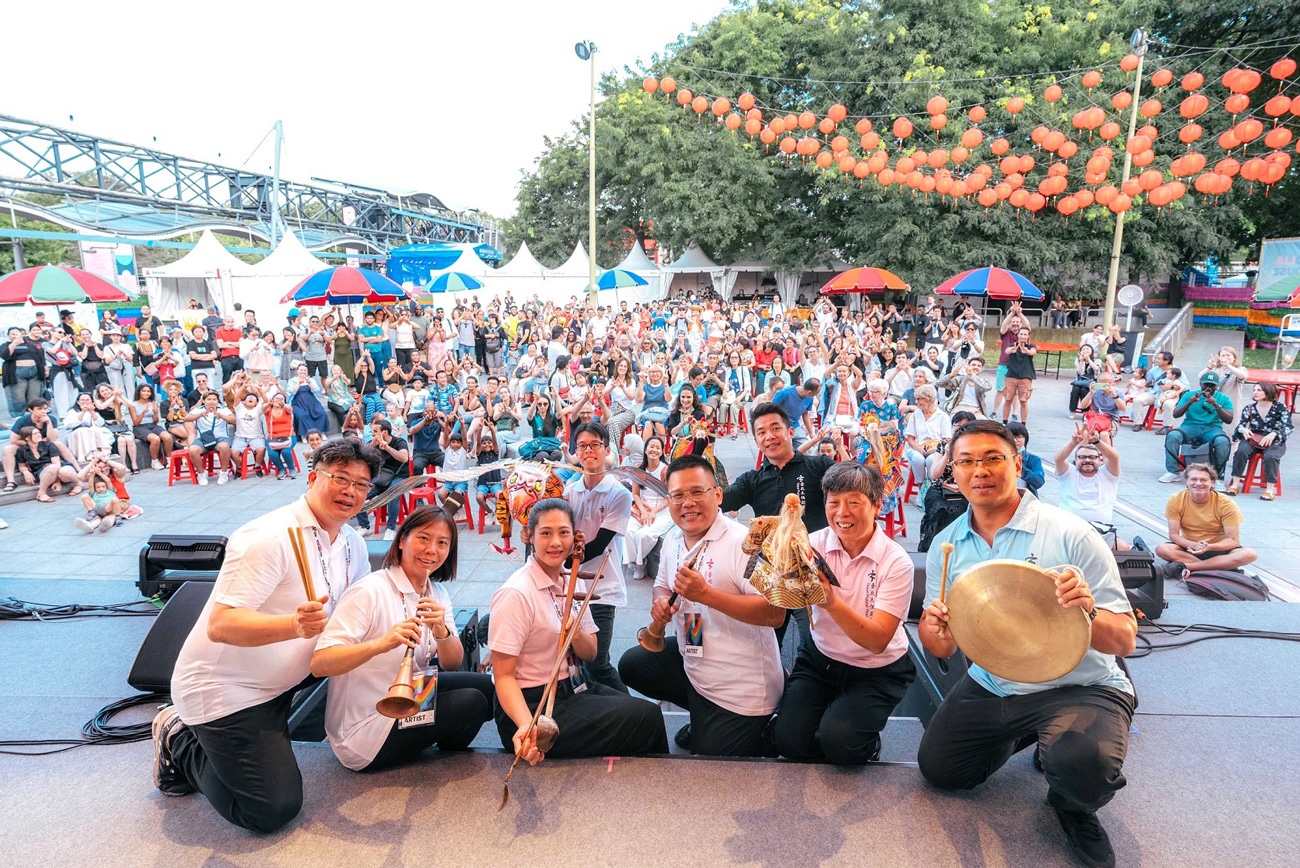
(454, 281)
(617, 278)
(1280, 292)
(344, 285)
(993, 282)
(864, 280)
(58, 284)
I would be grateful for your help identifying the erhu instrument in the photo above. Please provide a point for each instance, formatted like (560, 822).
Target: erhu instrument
(651, 636)
(552, 682)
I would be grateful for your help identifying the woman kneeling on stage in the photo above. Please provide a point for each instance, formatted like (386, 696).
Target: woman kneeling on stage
(400, 607)
(848, 679)
(524, 633)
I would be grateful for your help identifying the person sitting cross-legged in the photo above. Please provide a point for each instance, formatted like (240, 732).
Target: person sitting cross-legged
(1204, 528)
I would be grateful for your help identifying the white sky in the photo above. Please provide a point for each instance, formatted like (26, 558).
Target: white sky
(452, 98)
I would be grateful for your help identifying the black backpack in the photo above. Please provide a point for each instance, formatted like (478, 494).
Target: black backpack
(1227, 585)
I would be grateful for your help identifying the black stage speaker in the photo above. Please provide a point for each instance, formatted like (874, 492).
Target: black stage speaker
(154, 662)
(1143, 586)
(935, 679)
(168, 561)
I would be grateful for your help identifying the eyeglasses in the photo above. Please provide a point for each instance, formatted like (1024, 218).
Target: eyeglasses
(990, 462)
(343, 483)
(590, 446)
(691, 495)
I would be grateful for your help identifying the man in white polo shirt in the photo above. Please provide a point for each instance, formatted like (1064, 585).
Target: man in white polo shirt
(848, 680)
(602, 508)
(723, 665)
(227, 733)
(1089, 485)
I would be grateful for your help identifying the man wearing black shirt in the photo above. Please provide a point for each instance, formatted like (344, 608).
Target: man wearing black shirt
(425, 436)
(784, 471)
(201, 388)
(395, 453)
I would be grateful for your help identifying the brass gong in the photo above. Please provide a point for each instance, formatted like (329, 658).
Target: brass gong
(1005, 617)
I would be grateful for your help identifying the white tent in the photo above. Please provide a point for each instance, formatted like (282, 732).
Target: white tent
(524, 264)
(752, 270)
(639, 264)
(207, 274)
(694, 270)
(576, 265)
(273, 277)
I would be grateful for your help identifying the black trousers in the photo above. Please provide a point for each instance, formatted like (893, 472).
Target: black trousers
(230, 364)
(383, 479)
(600, 669)
(423, 460)
(715, 731)
(464, 704)
(834, 712)
(599, 721)
(800, 617)
(404, 357)
(1081, 732)
(1272, 459)
(244, 764)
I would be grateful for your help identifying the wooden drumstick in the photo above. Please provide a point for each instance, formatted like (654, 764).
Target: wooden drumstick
(946, 548)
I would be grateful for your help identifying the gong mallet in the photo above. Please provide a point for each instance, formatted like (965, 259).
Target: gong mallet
(555, 673)
(946, 548)
(651, 636)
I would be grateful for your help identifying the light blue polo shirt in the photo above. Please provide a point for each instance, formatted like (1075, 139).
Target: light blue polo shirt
(1048, 536)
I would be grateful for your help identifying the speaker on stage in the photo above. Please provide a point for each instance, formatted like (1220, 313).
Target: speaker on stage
(168, 561)
(154, 662)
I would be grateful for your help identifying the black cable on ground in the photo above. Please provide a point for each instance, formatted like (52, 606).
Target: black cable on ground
(99, 730)
(20, 610)
(1201, 633)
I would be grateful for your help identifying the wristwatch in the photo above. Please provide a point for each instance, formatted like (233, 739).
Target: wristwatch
(1092, 613)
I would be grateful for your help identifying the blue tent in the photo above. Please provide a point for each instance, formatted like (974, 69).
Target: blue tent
(414, 262)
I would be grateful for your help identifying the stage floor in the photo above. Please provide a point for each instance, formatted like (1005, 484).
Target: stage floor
(1212, 781)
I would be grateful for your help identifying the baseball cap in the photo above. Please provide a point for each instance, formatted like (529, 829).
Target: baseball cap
(1209, 377)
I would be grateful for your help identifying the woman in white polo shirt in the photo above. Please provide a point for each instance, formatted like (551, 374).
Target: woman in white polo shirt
(524, 634)
(400, 606)
(849, 679)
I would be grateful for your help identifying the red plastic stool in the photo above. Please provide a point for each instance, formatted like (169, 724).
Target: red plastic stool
(896, 523)
(268, 468)
(1150, 421)
(744, 421)
(179, 467)
(248, 463)
(210, 463)
(912, 487)
(1255, 476)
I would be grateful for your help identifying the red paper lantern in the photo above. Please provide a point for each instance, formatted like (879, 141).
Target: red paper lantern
(788, 145)
(1282, 69)
(971, 138)
(938, 122)
(754, 114)
(1067, 205)
(988, 198)
(684, 97)
(937, 105)
(1085, 198)
(826, 126)
(734, 121)
(668, 84)
(1162, 77)
(700, 105)
(649, 84)
(1109, 130)
(1015, 105)
(861, 170)
(1151, 107)
(902, 128)
(1227, 167)
(807, 120)
(837, 113)
(1194, 105)
(1159, 196)
(1278, 138)
(1098, 166)
(870, 141)
(1144, 159)
(1038, 133)
(937, 158)
(1052, 93)
(745, 101)
(1053, 140)
(862, 127)
(1121, 100)
(1150, 179)
(959, 154)
(847, 164)
(1009, 165)
(777, 126)
(1190, 133)
(1121, 203)
(1131, 187)
(1192, 81)
(1206, 183)
(791, 122)
(1138, 144)
(1148, 130)
(1018, 198)
(767, 137)
(1248, 130)
(1277, 106)
(1241, 80)
(976, 114)
(927, 184)
(1091, 79)
(1252, 169)
(885, 177)
(1000, 147)
(1016, 180)
(905, 165)
(1027, 164)
(1068, 150)
(840, 143)
(1107, 194)
(1236, 104)
(824, 159)
(1035, 202)
(1003, 191)
(721, 106)
(1129, 62)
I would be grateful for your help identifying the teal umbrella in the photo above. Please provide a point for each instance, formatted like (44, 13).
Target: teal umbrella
(617, 278)
(1280, 292)
(454, 281)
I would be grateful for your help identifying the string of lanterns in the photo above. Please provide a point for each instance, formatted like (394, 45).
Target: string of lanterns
(825, 142)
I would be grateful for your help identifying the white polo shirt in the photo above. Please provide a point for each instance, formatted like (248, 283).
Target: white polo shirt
(1091, 498)
(213, 680)
(608, 505)
(367, 611)
(525, 623)
(880, 577)
(740, 668)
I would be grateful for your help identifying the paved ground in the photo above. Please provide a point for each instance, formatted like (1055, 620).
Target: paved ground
(41, 541)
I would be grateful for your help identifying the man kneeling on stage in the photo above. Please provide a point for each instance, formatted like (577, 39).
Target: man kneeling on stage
(723, 665)
(847, 681)
(227, 735)
(1079, 722)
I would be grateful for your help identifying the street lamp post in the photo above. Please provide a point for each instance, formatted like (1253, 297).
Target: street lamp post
(1139, 45)
(587, 51)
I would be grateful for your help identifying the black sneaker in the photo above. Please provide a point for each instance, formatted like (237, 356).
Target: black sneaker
(1088, 841)
(166, 777)
(683, 737)
(1170, 571)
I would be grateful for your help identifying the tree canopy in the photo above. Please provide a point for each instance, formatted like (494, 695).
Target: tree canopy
(668, 176)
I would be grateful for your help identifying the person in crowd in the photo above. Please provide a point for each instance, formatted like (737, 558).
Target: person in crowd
(525, 637)
(227, 339)
(402, 605)
(394, 454)
(925, 429)
(1009, 328)
(103, 509)
(455, 458)
(732, 688)
(1019, 384)
(1087, 473)
(305, 398)
(602, 508)
(797, 401)
(1232, 374)
(654, 406)
(213, 425)
(250, 430)
(651, 518)
(1079, 722)
(1103, 405)
(967, 387)
(1263, 430)
(1204, 413)
(146, 422)
(41, 464)
(847, 681)
(1086, 370)
(1032, 475)
(86, 429)
(488, 486)
(941, 499)
(1204, 528)
(226, 735)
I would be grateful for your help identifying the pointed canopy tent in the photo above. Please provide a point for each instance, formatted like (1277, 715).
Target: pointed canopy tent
(208, 274)
(686, 274)
(576, 265)
(272, 278)
(639, 264)
(524, 264)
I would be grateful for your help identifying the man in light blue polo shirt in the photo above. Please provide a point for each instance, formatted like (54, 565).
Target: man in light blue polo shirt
(1080, 721)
